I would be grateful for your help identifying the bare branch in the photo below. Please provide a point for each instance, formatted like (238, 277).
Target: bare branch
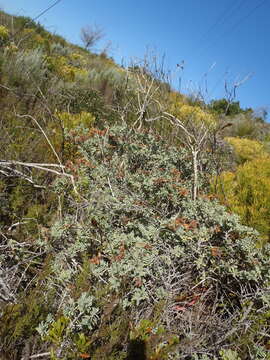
(44, 167)
(38, 355)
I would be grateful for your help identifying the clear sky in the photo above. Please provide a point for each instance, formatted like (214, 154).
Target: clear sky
(227, 36)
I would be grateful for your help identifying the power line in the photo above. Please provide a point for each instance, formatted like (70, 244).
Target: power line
(228, 12)
(235, 25)
(217, 83)
(247, 15)
(232, 29)
(46, 10)
(37, 17)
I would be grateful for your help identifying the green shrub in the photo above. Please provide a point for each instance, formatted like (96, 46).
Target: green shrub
(136, 240)
(246, 192)
(246, 149)
(4, 34)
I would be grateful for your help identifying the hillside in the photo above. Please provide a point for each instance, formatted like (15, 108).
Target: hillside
(134, 220)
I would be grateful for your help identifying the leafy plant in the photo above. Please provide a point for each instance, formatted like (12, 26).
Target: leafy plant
(247, 149)
(246, 192)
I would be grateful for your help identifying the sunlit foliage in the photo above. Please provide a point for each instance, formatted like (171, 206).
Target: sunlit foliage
(195, 115)
(70, 121)
(247, 149)
(4, 33)
(247, 192)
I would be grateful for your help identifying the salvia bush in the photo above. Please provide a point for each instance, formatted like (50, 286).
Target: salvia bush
(24, 68)
(131, 262)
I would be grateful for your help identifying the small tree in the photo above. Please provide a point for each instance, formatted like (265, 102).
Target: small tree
(155, 101)
(90, 35)
(196, 125)
(224, 107)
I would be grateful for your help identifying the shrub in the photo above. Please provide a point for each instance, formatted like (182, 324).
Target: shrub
(4, 34)
(70, 121)
(136, 243)
(246, 192)
(25, 69)
(247, 149)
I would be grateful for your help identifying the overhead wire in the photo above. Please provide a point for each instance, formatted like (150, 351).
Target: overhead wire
(231, 29)
(36, 17)
(234, 26)
(218, 82)
(46, 10)
(248, 15)
(221, 19)
(228, 12)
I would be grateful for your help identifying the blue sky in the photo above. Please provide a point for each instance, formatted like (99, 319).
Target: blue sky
(227, 36)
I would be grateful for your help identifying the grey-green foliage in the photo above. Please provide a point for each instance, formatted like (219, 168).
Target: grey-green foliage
(59, 49)
(229, 355)
(83, 312)
(148, 243)
(111, 74)
(225, 354)
(25, 67)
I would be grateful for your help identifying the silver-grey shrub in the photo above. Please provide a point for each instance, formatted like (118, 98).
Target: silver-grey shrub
(150, 246)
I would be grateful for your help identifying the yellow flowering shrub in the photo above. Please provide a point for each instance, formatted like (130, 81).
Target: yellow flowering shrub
(62, 67)
(175, 100)
(4, 33)
(78, 58)
(196, 115)
(189, 114)
(246, 149)
(247, 193)
(39, 40)
(71, 121)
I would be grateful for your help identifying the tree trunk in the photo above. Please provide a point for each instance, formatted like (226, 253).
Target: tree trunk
(195, 175)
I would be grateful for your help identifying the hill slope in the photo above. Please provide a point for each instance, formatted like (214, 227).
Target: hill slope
(107, 252)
